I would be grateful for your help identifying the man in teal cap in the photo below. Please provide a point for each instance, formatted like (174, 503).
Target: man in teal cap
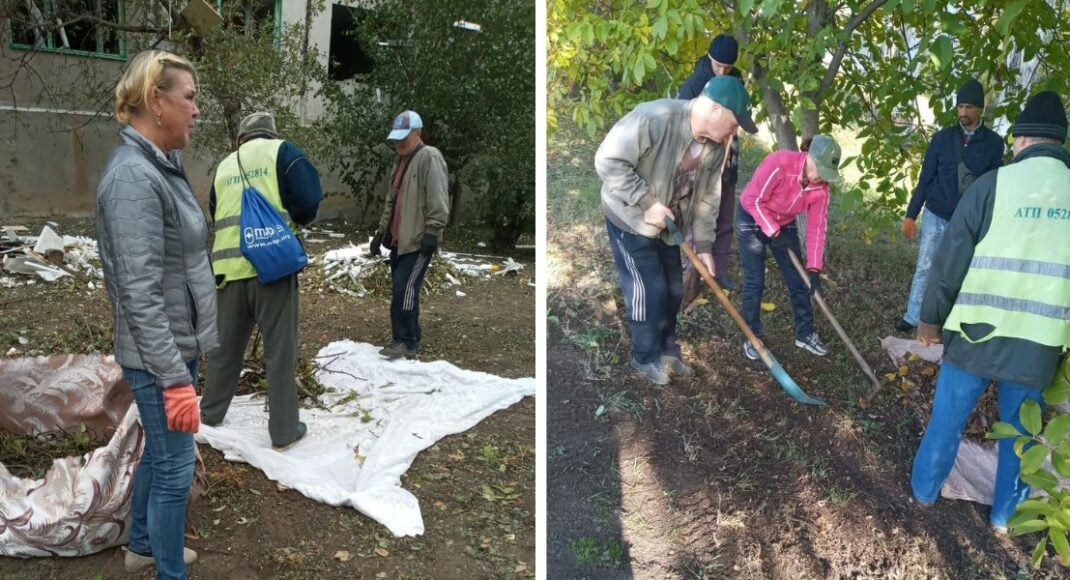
(664, 159)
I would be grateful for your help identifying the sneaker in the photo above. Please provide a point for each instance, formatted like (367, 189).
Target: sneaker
(904, 326)
(813, 344)
(749, 350)
(653, 372)
(135, 562)
(677, 367)
(726, 283)
(302, 430)
(397, 350)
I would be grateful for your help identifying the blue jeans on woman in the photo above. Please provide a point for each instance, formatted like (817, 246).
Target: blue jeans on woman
(752, 243)
(957, 393)
(162, 480)
(932, 232)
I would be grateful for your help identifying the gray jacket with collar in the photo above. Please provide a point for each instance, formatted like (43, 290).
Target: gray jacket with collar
(153, 242)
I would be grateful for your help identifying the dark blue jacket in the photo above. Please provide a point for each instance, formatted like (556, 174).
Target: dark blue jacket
(938, 184)
(299, 190)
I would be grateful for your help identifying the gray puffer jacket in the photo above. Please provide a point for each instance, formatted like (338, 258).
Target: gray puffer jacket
(153, 240)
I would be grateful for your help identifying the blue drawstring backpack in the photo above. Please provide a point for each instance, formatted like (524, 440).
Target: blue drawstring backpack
(266, 240)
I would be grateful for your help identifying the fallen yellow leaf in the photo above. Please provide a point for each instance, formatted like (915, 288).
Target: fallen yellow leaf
(890, 376)
(382, 552)
(342, 556)
(913, 357)
(768, 307)
(903, 370)
(701, 302)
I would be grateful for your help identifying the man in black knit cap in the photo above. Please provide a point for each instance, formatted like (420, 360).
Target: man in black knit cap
(956, 156)
(999, 299)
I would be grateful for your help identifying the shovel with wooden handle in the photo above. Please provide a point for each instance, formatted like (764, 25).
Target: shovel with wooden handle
(790, 386)
(836, 324)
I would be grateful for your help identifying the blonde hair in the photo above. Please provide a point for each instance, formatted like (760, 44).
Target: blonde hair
(146, 71)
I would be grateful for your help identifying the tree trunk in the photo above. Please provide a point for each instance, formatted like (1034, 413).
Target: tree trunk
(779, 118)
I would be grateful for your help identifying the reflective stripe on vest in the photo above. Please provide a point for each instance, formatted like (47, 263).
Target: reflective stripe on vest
(1019, 278)
(259, 158)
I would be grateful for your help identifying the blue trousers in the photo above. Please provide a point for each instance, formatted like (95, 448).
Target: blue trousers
(651, 277)
(407, 275)
(752, 243)
(932, 232)
(162, 480)
(957, 393)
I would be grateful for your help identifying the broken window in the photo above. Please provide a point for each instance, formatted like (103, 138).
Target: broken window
(76, 26)
(347, 57)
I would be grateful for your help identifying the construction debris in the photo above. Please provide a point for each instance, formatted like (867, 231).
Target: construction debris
(48, 257)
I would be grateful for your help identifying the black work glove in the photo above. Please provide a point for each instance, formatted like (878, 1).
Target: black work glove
(429, 244)
(376, 245)
(779, 241)
(815, 281)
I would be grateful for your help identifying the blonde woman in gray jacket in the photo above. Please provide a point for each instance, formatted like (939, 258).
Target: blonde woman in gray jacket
(664, 159)
(153, 240)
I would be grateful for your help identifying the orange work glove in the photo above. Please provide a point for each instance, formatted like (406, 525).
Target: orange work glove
(180, 404)
(909, 227)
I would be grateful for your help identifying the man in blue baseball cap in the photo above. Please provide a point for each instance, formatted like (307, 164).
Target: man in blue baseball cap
(664, 159)
(416, 211)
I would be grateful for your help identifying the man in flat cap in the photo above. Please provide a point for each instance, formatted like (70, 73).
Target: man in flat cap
(719, 60)
(279, 170)
(956, 156)
(999, 299)
(417, 209)
(664, 159)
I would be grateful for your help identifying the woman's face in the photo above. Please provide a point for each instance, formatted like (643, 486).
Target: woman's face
(812, 176)
(178, 110)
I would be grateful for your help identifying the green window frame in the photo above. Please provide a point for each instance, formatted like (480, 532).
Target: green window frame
(50, 37)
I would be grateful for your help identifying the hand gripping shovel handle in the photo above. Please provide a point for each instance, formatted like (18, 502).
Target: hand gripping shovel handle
(836, 324)
(786, 382)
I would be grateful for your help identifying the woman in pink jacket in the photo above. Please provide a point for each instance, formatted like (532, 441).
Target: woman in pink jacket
(786, 184)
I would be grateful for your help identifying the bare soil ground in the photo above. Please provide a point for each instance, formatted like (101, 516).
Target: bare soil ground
(725, 476)
(247, 528)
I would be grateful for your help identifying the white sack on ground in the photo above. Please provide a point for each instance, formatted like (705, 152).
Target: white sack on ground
(80, 507)
(973, 477)
(382, 414)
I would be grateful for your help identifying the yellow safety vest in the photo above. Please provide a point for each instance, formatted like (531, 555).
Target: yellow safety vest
(1019, 278)
(258, 157)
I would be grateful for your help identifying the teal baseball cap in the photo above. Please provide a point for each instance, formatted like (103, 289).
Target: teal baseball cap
(728, 91)
(825, 152)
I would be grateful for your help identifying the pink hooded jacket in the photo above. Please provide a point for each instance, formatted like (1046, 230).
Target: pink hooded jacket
(775, 195)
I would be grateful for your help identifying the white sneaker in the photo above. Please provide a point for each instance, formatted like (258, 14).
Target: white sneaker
(136, 562)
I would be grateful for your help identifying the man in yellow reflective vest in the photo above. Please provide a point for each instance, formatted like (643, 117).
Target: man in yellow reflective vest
(289, 181)
(1000, 293)
(417, 208)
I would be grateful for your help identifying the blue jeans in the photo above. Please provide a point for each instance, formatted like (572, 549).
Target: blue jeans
(957, 392)
(932, 231)
(162, 480)
(752, 243)
(407, 277)
(652, 279)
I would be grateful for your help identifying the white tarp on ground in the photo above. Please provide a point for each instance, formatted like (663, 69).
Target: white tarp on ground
(973, 478)
(382, 414)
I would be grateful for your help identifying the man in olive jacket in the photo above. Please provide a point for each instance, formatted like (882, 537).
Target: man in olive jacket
(999, 299)
(417, 209)
(664, 160)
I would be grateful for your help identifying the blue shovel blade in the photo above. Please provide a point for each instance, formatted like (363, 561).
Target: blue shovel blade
(789, 385)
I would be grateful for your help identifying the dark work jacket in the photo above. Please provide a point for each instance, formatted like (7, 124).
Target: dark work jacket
(938, 184)
(1003, 359)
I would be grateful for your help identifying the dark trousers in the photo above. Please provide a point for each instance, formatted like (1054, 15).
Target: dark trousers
(752, 243)
(407, 276)
(273, 307)
(651, 277)
(722, 245)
